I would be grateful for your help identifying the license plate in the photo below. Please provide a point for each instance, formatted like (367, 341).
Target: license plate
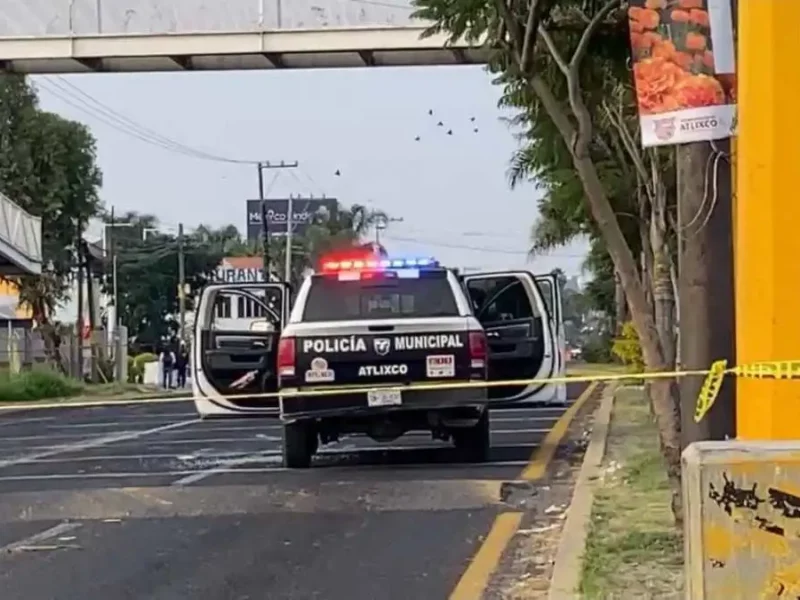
(384, 398)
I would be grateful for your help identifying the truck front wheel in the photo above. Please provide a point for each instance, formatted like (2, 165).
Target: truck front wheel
(299, 444)
(474, 441)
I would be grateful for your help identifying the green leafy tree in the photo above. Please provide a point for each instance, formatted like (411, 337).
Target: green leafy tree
(48, 166)
(147, 274)
(561, 63)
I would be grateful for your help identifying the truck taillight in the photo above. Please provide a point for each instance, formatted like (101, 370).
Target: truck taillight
(477, 349)
(286, 357)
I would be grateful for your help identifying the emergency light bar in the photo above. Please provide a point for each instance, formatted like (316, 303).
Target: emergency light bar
(376, 264)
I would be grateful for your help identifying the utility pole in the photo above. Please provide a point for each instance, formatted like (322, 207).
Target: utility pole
(287, 272)
(264, 221)
(181, 285)
(381, 223)
(79, 325)
(110, 252)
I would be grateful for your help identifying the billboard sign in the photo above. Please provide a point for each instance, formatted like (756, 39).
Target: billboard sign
(684, 70)
(304, 210)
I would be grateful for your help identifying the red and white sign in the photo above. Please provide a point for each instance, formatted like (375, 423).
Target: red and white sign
(441, 365)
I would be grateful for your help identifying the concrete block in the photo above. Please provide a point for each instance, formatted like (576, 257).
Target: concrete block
(742, 520)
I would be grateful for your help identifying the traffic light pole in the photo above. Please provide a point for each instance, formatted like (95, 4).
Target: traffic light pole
(265, 238)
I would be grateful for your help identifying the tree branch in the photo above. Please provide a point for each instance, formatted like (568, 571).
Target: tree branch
(529, 35)
(553, 49)
(591, 29)
(580, 147)
(553, 107)
(513, 32)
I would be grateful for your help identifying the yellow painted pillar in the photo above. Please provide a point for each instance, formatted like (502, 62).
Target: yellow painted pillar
(767, 220)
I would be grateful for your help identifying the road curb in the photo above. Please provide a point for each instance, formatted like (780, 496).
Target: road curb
(567, 566)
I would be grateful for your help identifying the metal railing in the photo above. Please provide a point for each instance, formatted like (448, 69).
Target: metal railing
(20, 235)
(92, 17)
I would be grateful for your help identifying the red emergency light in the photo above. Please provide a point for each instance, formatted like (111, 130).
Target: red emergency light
(373, 263)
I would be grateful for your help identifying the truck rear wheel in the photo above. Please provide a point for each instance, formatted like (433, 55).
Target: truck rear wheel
(299, 445)
(474, 441)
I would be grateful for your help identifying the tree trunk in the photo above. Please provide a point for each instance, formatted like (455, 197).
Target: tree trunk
(706, 287)
(663, 296)
(667, 421)
(661, 396)
(620, 305)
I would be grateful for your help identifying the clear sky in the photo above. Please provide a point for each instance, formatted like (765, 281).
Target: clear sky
(451, 191)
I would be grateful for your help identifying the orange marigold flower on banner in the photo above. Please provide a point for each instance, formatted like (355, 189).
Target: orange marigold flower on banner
(690, 3)
(728, 82)
(683, 60)
(664, 49)
(708, 59)
(699, 90)
(634, 12)
(696, 41)
(655, 38)
(649, 19)
(699, 17)
(638, 42)
(655, 4)
(635, 26)
(655, 80)
(643, 41)
(679, 16)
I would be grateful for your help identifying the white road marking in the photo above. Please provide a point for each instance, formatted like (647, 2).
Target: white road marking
(529, 410)
(355, 449)
(42, 536)
(189, 441)
(513, 431)
(12, 421)
(223, 467)
(145, 474)
(203, 427)
(92, 443)
(552, 419)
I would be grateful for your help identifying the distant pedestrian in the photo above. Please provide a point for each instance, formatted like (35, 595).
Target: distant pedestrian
(182, 364)
(167, 360)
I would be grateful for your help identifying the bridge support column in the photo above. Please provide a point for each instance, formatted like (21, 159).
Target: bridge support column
(767, 219)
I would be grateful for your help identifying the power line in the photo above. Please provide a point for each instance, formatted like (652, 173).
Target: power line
(384, 4)
(475, 248)
(84, 102)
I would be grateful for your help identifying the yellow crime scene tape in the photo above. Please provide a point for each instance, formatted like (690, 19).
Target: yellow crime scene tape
(714, 376)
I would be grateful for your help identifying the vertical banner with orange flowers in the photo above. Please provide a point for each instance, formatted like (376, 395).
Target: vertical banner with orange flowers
(684, 69)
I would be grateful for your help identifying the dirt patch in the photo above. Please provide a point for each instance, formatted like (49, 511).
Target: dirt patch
(633, 550)
(525, 570)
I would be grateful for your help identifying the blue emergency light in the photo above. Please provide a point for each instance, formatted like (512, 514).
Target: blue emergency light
(375, 264)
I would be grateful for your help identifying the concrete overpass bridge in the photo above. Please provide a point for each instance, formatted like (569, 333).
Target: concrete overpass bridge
(20, 240)
(80, 36)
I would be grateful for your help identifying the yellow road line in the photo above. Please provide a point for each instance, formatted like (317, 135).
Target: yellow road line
(476, 578)
(541, 458)
(474, 581)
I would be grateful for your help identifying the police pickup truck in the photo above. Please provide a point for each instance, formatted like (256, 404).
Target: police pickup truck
(381, 327)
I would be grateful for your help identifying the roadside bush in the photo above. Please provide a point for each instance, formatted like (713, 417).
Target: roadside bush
(134, 374)
(628, 348)
(597, 349)
(39, 384)
(136, 366)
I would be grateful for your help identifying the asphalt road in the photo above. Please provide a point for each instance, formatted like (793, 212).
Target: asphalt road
(147, 502)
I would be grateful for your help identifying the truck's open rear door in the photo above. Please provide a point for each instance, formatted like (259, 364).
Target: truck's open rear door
(237, 327)
(521, 335)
